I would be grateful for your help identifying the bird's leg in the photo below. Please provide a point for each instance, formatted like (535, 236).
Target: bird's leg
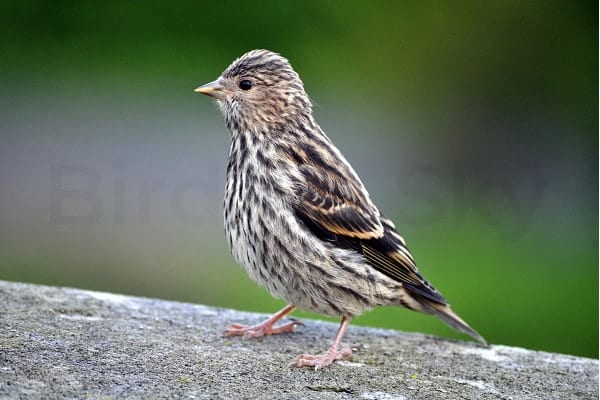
(265, 328)
(323, 360)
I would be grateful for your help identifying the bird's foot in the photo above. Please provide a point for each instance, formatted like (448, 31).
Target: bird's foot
(321, 360)
(263, 329)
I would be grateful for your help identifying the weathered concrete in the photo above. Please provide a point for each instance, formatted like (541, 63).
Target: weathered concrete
(67, 343)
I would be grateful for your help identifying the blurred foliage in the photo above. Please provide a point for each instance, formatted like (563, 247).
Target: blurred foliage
(505, 91)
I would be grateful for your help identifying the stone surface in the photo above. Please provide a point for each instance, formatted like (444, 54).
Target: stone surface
(67, 343)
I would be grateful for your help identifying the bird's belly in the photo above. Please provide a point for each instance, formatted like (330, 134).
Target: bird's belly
(280, 255)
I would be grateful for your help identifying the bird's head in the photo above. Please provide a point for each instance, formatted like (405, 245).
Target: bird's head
(258, 92)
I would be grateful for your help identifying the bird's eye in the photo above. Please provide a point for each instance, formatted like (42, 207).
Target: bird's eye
(245, 84)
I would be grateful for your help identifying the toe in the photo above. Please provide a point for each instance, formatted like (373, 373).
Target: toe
(321, 360)
(235, 330)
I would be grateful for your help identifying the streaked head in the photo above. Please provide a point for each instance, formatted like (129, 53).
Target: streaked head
(259, 91)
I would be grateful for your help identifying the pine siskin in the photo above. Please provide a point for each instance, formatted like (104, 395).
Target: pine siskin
(297, 216)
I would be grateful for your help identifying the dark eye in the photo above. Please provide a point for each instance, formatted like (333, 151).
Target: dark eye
(245, 84)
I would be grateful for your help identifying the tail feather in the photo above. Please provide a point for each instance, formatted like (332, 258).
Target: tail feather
(449, 317)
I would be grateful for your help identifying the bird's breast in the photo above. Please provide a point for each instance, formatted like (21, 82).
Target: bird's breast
(257, 213)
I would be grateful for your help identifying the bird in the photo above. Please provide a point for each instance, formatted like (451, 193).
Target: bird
(299, 219)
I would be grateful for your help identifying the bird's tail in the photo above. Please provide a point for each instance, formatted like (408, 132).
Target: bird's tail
(449, 317)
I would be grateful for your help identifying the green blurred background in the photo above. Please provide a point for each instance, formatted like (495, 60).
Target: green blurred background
(474, 125)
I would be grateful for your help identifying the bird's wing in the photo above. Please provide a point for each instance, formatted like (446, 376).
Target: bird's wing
(336, 203)
(390, 256)
(337, 209)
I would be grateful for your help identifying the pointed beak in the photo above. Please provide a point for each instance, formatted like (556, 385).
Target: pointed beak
(212, 89)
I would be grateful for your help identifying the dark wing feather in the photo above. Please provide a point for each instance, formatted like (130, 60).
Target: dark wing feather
(338, 210)
(390, 256)
(337, 204)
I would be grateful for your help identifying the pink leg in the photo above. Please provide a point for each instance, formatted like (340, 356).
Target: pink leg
(264, 328)
(325, 359)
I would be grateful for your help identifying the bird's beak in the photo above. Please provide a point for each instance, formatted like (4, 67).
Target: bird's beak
(212, 89)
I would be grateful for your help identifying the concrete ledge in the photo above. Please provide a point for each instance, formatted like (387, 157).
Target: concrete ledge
(67, 343)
